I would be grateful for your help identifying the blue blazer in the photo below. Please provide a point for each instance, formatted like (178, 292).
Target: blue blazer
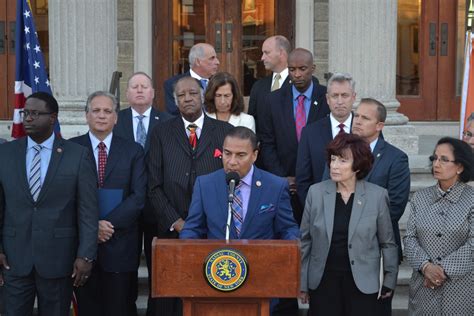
(269, 214)
(171, 106)
(391, 171)
(125, 169)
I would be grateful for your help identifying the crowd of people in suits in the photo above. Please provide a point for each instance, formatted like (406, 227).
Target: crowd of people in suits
(75, 214)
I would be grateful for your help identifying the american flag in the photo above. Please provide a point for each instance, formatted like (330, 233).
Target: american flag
(30, 68)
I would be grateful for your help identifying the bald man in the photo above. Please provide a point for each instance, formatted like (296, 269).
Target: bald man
(204, 64)
(285, 113)
(275, 51)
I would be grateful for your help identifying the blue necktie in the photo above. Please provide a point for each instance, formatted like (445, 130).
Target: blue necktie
(237, 209)
(141, 132)
(35, 173)
(203, 84)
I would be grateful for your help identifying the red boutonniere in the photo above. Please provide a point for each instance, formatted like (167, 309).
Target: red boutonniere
(217, 153)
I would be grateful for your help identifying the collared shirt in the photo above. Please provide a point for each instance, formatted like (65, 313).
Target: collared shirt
(95, 146)
(373, 144)
(146, 121)
(199, 123)
(245, 190)
(45, 155)
(283, 75)
(196, 76)
(307, 101)
(334, 125)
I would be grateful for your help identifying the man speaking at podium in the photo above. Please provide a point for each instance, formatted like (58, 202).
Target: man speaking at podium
(260, 201)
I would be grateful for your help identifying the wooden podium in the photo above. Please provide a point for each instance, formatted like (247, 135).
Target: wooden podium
(178, 271)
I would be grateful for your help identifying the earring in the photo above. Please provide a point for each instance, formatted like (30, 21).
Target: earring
(459, 172)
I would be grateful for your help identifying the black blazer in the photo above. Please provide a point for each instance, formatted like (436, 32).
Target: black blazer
(277, 133)
(311, 160)
(173, 166)
(125, 170)
(124, 126)
(171, 106)
(259, 92)
(61, 225)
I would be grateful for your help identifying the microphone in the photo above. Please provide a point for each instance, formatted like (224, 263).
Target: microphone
(232, 179)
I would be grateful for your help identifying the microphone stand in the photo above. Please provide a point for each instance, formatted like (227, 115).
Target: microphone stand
(229, 209)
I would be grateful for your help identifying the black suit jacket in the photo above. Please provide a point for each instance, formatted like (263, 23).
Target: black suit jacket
(61, 225)
(173, 166)
(259, 92)
(171, 106)
(125, 170)
(311, 160)
(391, 171)
(277, 133)
(124, 126)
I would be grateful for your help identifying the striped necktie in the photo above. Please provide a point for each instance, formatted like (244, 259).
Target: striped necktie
(237, 209)
(35, 173)
(141, 132)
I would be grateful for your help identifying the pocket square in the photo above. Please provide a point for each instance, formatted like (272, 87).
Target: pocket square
(265, 208)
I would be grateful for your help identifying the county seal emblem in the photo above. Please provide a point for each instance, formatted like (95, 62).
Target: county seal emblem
(225, 269)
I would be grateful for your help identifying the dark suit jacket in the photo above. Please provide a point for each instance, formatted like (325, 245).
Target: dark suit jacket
(171, 106)
(61, 225)
(259, 92)
(277, 133)
(124, 126)
(173, 166)
(269, 213)
(391, 171)
(125, 170)
(311, 160)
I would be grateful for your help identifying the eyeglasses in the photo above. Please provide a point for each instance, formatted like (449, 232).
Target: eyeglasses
(442, 160)
(33, 114)
(467, 134)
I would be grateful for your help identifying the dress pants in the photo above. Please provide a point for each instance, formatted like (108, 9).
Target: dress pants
(54, 295)
(106, 293)
(338, 295)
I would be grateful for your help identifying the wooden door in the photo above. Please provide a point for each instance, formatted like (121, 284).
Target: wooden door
(426, 59)
(7, 58)
(236, 29)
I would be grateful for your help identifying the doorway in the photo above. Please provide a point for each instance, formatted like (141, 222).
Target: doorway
(236, 29)
(430, 52)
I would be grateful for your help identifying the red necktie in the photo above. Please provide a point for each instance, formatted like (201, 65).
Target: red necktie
(300, 117)
(102, 162)
(192, 135)
(341, 129)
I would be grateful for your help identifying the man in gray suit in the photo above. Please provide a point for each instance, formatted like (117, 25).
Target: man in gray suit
(48, 214)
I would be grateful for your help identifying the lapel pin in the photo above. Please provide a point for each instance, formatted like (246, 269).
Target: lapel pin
(157, 118)
(359, 202)
(258, 183)
(378, 155)
(59, 150)
(315, 103)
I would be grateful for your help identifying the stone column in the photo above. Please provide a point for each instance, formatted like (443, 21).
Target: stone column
(305, 17)
(363, 42)
(83, 53)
